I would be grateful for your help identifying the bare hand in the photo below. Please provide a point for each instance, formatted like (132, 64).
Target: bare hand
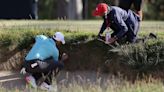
(64, 57)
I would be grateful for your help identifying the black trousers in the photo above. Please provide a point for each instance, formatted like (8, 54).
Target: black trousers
(35, 67)
(48, 76)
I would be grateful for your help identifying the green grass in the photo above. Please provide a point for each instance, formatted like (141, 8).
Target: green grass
(20, 35)
(93, 26)
(14, 32)
(81, 45)
(19, 38)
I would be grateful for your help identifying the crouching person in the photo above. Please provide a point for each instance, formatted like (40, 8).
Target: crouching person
(42, 61)
(125, 24)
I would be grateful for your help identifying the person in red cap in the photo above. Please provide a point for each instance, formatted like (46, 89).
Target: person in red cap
(125, 24)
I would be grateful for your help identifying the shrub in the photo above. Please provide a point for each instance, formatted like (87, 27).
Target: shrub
(143, 56)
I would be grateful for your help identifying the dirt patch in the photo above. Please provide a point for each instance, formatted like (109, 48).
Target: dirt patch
(90, 55)
(86, 55)
(14, 62)
(12, 80)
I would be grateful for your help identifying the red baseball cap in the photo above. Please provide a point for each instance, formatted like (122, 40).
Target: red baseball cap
(100, 9)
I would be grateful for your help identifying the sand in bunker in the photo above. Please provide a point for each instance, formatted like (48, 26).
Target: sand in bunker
(10, 80)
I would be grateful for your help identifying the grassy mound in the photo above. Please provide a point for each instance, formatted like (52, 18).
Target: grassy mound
(86, 53)
(15, 43)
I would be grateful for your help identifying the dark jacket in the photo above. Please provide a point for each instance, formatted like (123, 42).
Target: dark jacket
(121, 22)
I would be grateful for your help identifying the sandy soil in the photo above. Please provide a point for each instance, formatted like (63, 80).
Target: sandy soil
(10, 80)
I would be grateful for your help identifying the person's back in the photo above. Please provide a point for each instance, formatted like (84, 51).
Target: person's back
(117, 11)
(122, 13)
(118, 15)
(43, 48)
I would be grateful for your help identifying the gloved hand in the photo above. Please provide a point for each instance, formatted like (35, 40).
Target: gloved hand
(23, 71)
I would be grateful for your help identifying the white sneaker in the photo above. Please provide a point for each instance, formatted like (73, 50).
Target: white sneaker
(31, 81)
(46, 87)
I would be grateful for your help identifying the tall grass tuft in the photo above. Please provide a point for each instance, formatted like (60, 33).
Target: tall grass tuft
(144, 56)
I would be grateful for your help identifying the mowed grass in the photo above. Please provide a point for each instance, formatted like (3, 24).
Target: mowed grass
(12, 32)
(91, 25)
(20, 33)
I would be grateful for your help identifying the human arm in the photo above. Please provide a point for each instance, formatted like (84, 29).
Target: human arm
(103, 27)
(120, 25)
(60, 63)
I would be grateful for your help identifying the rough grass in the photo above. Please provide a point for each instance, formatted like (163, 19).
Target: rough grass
(17, 36)
(112, 85)
(23, 37)
(144, 55)
(20, 33)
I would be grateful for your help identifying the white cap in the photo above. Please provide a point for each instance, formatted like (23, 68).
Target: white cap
(59, 37)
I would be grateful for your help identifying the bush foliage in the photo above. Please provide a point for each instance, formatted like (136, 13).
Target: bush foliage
(144, 56)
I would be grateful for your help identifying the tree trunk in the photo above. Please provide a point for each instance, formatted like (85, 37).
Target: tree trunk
(69, 9)
(85, 9)
(61, 11)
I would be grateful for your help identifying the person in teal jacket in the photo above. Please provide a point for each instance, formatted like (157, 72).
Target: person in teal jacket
(43, 59)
